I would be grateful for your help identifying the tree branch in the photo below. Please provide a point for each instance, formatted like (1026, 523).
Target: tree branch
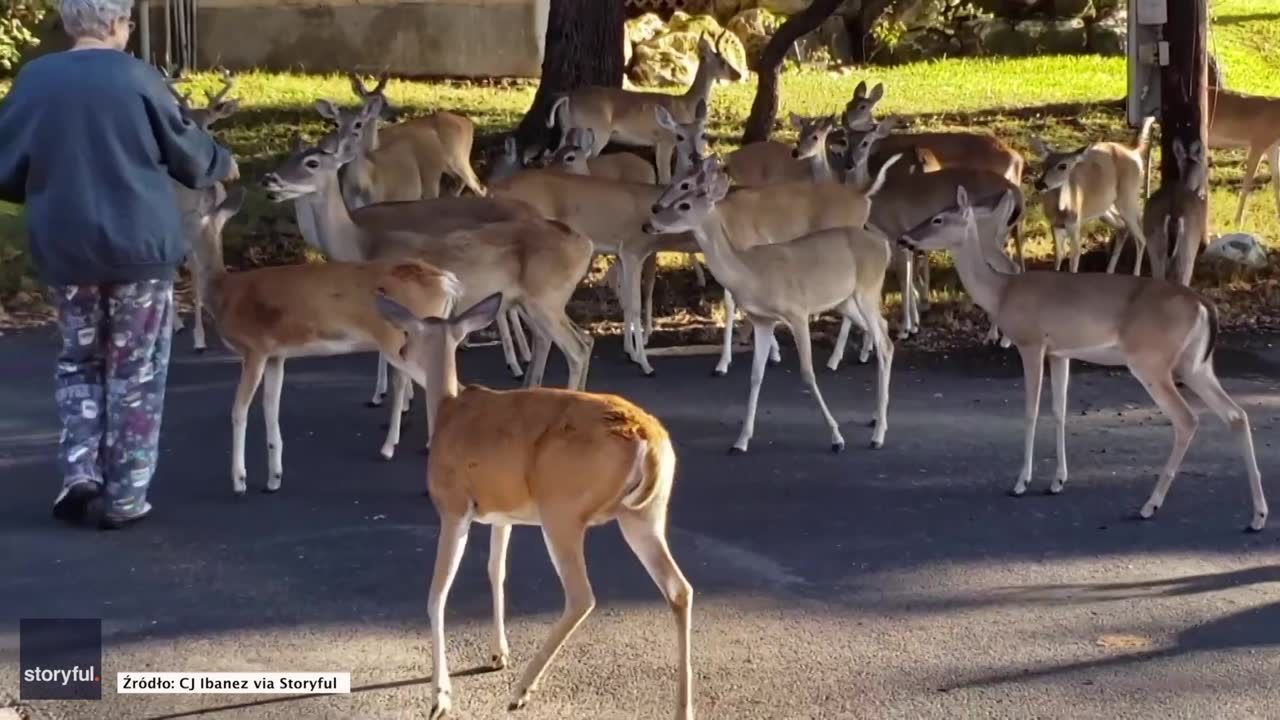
(764, 110)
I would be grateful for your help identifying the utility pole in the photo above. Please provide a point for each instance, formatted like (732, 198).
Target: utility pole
(1184, 98)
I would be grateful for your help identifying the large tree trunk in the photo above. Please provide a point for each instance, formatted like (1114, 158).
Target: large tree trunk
(764, 110)
(583, 47)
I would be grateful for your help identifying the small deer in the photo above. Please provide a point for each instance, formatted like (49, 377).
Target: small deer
(559, 459)
(1174, 204)
(1101, 180)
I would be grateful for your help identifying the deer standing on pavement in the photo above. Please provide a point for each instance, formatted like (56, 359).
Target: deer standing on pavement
(1173, 205)
(626, 116)
(269, 315)
(1162, 332)
(1248, 121)
(561, 460)
(787, 282)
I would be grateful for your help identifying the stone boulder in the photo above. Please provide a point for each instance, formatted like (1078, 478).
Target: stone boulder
(670, 56)
(642, 28)
(753, 28)
(655, 64)
(1109, 36)
(783, 7)
(993, 36)
(924, 45)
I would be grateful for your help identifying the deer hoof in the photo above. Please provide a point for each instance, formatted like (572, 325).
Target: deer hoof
(499, 661)
(1258, 524)
(837, 447)
(877, 444)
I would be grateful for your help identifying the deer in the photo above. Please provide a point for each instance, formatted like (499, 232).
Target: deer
(1164, 333)
(559, 459)
(405, 161)
(1182, 205)
(628, 117)
(769, 161)
(269, 315)
(488, 244)
(981, 151)
(217, 107)
(1103, 179)
(787, 282)
(1252, 122)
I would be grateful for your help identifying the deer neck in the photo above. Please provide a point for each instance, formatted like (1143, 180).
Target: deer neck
(336, 234)
(369, 138)
(985, 284)
(442, 384)
(699, 89)
(819, 167)
(712, 236)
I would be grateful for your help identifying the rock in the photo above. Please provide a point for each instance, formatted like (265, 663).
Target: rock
(1109, 36)
(724, 10)
(684, 22)
(643, 28)
(1072, 8)
(924, 45)
(659, 64)
(1056, 36)
(753, 28)
(1029, 37)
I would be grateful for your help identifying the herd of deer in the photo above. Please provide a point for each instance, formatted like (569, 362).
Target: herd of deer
(790, 231)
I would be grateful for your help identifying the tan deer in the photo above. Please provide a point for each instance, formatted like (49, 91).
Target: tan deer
(787, 282)
(562, 460)
(1101, 180)
(217, 107)
(1184, 204)
(269, 315)
(626, 116)
(979, 151)
(770, 162)
(405, 161)
(490, 245)
(1162, 332)
(1251, 122)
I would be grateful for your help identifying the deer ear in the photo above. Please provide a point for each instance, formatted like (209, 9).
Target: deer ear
(663, 116)
(1039, 148)
(476, 317)
(700, 112)
(797, 122)
(509, 146)
(962, 198)
(877, 92)
(327, 109)
(588, 140)
(397, 314)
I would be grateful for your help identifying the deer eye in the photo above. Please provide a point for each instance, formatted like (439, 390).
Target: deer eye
(1062, 166)
(937, 220)
(313, 163)
(685, 206)
(681, 138)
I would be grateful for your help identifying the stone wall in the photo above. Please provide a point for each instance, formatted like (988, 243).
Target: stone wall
(440, 38)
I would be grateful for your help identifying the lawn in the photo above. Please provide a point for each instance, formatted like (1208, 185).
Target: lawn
(1068, 100)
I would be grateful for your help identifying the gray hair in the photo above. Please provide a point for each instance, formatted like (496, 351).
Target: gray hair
(92, 18)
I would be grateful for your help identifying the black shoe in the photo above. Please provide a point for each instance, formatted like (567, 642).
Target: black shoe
(98, 514)
(72, 505)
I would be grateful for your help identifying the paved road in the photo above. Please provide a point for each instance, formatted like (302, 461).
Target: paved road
(872, 584)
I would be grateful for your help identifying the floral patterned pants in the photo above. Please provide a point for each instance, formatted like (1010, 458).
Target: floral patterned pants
(110, 384)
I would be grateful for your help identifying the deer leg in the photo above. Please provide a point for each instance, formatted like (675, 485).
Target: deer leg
(1158, 250)
(560, 329)
(842, 339)
(763, 330)
(1033, 374)
(1159, 384)
(1204, 383)
(449, 549)
(517, 329)
(1117, 247)
(1059, 247)
(649, 278)
(272, 388)
(508, 348)
(565, 544)
(804, 350)
(499, 537)
(1130, 215)
(925, 283)
(538, 367)
(1073, 230)
(1019, 240)
(1059, 375)
(398, 381)
(902, 267)
(632, 267)
(867, 305)
(726, 345)
(701, 277)
(380, 384)
(662, 152)
(1250, 169)
(251, 369)
(197, 312)
(646, 537)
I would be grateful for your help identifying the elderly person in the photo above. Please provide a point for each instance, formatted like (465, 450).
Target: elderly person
(89, 139)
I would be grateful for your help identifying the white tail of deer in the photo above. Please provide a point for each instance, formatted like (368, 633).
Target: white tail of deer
(1162, 332)
(562, 460)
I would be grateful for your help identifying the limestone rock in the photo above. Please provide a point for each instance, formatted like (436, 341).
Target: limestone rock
(753, 28)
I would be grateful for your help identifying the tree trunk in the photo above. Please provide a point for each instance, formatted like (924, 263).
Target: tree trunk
(583, 47)
(860, 26)
(1183, 100)
(764, 110)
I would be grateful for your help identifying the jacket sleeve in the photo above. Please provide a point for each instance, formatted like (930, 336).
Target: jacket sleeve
(14, 151)
(191, 155)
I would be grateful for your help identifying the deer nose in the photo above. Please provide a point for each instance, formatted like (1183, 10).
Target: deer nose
(270, 179)
(795, 153)
(655, 209)
(648, 228)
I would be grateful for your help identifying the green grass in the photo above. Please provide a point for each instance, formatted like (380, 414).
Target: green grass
(1067, 100)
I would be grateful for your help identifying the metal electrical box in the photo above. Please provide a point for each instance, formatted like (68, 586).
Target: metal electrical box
(1147, 53)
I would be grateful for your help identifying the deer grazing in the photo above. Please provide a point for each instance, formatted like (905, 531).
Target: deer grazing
(490, 244)
(563, 460)
(625, 116)
(1162, 332)
(1101, 180)
(405, 161)
(1251, 122)
(1174, 205)
(217, 107)
(787, 282)
(269, 315)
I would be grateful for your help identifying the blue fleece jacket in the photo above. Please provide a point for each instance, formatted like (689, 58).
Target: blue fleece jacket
(88, 142)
